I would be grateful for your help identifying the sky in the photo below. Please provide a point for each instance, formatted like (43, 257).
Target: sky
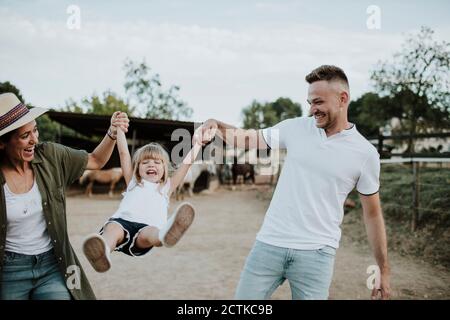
(222, 54)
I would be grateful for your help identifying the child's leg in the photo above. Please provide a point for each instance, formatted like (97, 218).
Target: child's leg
(113, 234)
(177, 225)
(97, 247)
(148, 237)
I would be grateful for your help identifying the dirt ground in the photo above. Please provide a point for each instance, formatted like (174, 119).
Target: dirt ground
(207, 263)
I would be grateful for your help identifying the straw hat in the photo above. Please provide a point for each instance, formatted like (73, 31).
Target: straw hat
(14, 114)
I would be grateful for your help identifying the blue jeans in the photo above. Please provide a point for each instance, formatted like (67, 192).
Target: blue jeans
(35, 277)
(309, 272)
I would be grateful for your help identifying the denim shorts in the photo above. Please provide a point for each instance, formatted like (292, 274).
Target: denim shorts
(131, 229)
(309, 272)
(35, 277)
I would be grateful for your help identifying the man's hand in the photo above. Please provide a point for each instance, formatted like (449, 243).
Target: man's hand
(205, 133)
(119, 119)
(384, 292)
(208, 131)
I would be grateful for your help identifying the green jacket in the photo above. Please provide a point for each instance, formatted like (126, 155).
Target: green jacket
(55, 168)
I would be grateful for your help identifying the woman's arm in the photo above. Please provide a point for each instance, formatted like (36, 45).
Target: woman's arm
(98, 158)
(124, 154)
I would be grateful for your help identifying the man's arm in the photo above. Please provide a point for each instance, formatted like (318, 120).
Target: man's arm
(376, 233)
(241, 138)
(98, 158)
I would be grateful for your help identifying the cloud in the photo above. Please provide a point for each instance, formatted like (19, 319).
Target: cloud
(219, 70)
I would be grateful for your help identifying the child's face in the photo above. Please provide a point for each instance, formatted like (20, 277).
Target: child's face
(151, 170)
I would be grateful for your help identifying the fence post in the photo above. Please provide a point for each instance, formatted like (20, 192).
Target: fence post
(380, 142)
(415, 196)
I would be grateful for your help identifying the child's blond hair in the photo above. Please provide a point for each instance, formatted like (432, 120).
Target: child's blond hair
(151, 151)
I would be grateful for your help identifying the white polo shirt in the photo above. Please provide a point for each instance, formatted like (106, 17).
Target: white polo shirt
(319, 172)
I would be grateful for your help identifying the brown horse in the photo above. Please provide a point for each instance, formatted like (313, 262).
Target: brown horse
(111, 176)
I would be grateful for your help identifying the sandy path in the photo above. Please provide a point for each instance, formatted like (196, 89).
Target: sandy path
(207, 263)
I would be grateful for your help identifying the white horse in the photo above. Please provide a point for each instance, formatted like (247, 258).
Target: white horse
(192, 175)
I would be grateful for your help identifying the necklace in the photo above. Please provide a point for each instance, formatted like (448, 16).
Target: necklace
(18, 187)
(25, 199)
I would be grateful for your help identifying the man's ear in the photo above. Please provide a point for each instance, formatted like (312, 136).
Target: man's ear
(344, 98)
(2, 145)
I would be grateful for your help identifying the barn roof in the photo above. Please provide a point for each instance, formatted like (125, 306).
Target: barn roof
(142, 129)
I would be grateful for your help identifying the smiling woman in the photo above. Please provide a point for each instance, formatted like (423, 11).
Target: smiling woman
(35, 252)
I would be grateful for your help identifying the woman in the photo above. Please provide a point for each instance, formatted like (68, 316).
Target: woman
(36, 258)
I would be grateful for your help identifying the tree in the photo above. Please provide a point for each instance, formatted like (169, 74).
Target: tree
(372, 112)
(262, 115)
(146, 91)
(106, 104)
(418, 81)
(73, 106)
(9, 87)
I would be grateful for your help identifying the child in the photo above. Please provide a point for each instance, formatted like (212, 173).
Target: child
(141, 222)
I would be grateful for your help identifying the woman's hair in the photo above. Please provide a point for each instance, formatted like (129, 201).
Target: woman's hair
(5, 139)
(151, 151)
(7, 136)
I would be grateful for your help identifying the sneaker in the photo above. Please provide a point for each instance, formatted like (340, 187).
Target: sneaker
(177, 225)
(97, 252)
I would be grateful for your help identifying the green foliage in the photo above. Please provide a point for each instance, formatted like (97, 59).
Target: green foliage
(48, 129)
(106, 104)
(434, 216)
(369, 113)
(145, 90)
(430, 240)
(9, 87)
(73, 106)
(263, 115)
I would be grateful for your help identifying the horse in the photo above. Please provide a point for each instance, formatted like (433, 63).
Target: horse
(246, 170)
(111, 176)
(192, 175)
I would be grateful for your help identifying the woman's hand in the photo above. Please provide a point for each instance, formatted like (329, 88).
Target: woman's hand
(120, 120)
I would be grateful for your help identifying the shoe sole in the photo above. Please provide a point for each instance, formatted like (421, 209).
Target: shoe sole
(184, 218)
(95, 251)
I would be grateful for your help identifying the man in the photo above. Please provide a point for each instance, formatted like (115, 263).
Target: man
(326, 158)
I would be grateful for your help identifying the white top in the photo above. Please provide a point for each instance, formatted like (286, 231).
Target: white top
(145, 203)
(319, 172)
(26, 231)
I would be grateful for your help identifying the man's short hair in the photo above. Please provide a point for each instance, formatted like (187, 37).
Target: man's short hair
(327, 73)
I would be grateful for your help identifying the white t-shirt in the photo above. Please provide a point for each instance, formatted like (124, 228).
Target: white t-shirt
(27, 231)
(319, 172)
(145, 203)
